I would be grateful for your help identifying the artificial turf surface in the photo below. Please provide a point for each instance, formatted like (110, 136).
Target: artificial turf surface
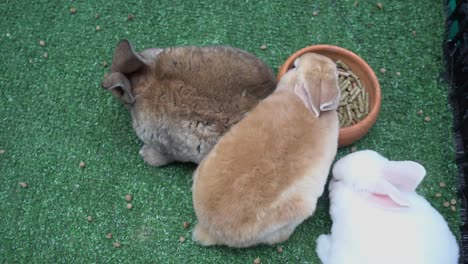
(54, 114)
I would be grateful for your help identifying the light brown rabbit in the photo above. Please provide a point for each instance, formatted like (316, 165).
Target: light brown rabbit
(183, 99)
(264, 176)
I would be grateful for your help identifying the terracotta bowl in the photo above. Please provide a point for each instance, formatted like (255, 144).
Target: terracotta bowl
(348, 135)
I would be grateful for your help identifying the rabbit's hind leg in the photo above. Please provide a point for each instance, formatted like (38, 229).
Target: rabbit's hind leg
(203, 236)
(154, 157)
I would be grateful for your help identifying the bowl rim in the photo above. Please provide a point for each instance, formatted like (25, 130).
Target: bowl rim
(374, 111)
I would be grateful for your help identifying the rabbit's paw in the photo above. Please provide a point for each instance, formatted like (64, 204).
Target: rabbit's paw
(202, 236)
(153, 157)
(323, 247)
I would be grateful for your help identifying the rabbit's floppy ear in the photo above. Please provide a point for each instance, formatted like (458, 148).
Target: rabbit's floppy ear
(125, 59)
(397, 178)
(404, 175)
(119, 85)
(386, 195)
(318, 88)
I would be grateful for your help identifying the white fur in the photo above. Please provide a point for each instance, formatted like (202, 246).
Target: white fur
(364, 232)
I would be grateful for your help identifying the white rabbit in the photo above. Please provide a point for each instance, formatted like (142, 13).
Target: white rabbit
(378, 217)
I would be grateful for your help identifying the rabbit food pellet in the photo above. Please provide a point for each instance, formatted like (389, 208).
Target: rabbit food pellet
(82, 164)
(380, 5)
(442, 184)
(89, 218)
(129, 206)
(2, 151)
(446, 204)
(354, 102)
(420, 112)
(117, 244)
(263, 47)
(98, 28)
(438, 195)
(383, 70)
(185, 224)
(45, 55)
(279, 249)
(181, 239)
(128, 197)
(257, 261)
(315, 13)
(453, 208)
(104, 63)
(42, 43)
(398, 74)
(109, 236)
(427, 119)
(453, 201)
(23, 184)
(73, 10)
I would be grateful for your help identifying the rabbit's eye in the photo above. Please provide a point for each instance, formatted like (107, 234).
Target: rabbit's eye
(296, 62)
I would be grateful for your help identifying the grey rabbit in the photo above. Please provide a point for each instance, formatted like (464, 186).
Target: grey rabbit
(183, 99)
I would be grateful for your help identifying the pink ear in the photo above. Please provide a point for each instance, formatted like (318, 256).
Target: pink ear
(404, 175)
(385, 194)
(383, 201)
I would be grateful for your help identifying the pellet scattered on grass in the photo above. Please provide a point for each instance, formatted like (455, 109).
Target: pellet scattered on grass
(185, 224)
(356, 3)
(438, 195)
(109, 236)
(82, 164)
(442, 184)
(181, 239)
(453, 208)
(42, 43)
(453, 201)
(383, 70)
(398, 74)
(117, 244)
(2, 151)
(128, 197)
(257, 261)
(89, 218)
(279, 249)
(315, 13)
(130, 17)
(73, 10)
(427, 119)
(380, 5)
(263, 47)
(129, 206)
(98, 28)
(45, 55)
(420, 112)
(446, 204)
(24, 184)
(104, 63)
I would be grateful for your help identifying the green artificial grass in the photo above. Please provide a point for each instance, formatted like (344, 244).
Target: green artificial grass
(54, 114)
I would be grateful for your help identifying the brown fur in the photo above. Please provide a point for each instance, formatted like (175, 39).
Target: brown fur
(264, 176)
(185, 98)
